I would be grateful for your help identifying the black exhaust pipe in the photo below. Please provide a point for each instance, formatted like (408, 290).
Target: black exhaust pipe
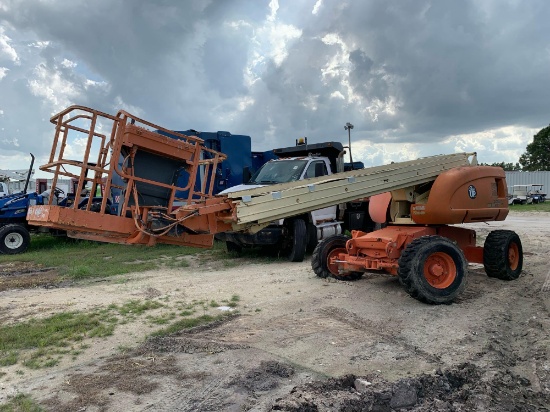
(29, 175)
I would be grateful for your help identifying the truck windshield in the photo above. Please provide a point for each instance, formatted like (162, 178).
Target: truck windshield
(278, 172)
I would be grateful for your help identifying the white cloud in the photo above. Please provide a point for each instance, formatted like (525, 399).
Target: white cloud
(121, 104)
(3, 72)
(52, 86)
(317, 6)
(68, 64)
(39, 44)
(13, 141)
(6, 48)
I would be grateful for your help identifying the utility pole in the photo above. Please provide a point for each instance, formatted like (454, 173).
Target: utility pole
(348, 127)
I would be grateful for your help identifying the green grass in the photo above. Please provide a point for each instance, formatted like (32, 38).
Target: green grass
(539, 207)
(79, 259)
(21, 403)
(40, 343)
(47, 340)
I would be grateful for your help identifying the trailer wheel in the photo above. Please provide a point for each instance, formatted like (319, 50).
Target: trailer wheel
(295, 244)
(433, 270)
(325, 250)
(14, 239)
(503, 255)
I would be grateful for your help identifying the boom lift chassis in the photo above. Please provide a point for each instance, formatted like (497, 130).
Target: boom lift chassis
(418, 200)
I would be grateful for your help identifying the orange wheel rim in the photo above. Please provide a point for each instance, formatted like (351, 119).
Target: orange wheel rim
(513, 256)
(440, 270)
(333, 267)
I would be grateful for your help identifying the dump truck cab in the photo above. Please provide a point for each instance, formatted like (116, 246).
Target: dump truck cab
(295, 235)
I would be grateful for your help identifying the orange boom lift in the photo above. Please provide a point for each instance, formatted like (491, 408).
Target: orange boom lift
(416, 202)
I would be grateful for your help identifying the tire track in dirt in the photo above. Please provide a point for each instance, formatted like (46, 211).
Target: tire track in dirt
(351, 319)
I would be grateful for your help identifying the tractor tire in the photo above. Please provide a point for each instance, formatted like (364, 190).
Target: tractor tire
(325, 249)
(311, 238)
(433, 270)
(503, 255)
(14, 239)
(295, 244)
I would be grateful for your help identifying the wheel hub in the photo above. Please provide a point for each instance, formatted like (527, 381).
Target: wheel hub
(440, 270)
(513, 256)
(13, 240)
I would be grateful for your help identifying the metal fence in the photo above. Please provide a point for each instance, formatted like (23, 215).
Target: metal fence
(527, 178)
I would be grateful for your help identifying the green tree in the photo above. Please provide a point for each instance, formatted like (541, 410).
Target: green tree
(509, 167)
(537, 154)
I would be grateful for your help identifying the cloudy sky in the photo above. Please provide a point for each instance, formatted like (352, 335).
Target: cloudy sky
(416, 78)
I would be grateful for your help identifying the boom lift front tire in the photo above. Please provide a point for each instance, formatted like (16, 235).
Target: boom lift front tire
(503, 255)
(14, 239)
(296, 242)
(327, 248)
(433, 270)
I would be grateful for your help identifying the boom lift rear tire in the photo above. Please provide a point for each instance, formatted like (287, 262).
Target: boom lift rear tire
(14, 239)
(325, 249)
(433, 270)
(295, 243)
(503, 255)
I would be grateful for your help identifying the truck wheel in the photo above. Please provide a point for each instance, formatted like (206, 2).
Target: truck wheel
(503, 255)
(233, 247)
(326, 249)
(14, 239)
(295, 245)
(433, 270)
(311, 238)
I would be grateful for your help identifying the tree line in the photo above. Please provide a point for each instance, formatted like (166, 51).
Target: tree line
(536, 156)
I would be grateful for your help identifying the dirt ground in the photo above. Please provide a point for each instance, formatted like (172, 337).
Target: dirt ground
(301, 343)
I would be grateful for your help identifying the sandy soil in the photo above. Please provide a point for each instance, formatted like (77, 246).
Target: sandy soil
(300, 343)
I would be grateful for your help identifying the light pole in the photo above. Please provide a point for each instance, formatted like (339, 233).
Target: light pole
(348, 127)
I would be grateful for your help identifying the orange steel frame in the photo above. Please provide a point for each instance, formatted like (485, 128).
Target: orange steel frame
(380, 250)
(134, 135)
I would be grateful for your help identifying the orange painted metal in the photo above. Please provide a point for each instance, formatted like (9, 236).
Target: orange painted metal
(378, 207)
(381, 249)
(513, 256)
(440, 270)
(111, 145)
(464, 195)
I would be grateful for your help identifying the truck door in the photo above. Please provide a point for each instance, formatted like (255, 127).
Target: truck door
(318, 168)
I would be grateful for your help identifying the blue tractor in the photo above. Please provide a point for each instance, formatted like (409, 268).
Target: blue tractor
(14, 228)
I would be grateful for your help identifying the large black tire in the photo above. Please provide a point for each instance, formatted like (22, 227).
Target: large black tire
(296, 241)
(503, 255)
(322, 253)
(433, 270)
(233, 247)
(311, 238)
(14, 239)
